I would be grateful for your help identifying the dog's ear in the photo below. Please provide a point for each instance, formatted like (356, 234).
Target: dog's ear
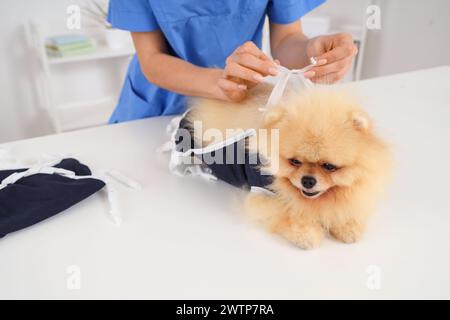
(272, 116)
(361, 121)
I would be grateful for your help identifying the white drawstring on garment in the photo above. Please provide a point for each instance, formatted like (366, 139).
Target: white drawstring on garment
(180, 162)
(126, 181)
(45, 168)
(48, 168)
(283, 78)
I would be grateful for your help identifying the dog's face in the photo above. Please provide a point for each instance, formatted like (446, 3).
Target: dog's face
(313, 171)
(322, 137)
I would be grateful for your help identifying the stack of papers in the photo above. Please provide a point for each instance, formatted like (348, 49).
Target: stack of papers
(69, 45)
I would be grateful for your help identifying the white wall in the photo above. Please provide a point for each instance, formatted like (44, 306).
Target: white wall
(415, 34)
(19, 116)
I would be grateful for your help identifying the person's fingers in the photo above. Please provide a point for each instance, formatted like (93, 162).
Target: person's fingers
(331, 77)
(232, 90)
(340, 66)
(229, 85)
(339, 53)
(248, 60)
(251, 48)
(234, 69)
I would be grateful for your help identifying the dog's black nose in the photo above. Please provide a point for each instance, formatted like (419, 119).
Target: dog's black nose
(308, 182)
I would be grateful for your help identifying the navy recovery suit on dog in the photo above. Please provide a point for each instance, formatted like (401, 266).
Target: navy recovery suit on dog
(237, 171)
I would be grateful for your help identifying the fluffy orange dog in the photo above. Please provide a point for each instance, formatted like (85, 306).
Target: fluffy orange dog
(332, 165)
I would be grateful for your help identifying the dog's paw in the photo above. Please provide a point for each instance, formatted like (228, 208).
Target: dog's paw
(349, 232)
(305, 236)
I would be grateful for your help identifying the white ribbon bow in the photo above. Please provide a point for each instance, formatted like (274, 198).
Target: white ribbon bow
(48, 168)
(281, 82)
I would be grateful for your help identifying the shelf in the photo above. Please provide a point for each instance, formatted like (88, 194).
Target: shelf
(99, 54)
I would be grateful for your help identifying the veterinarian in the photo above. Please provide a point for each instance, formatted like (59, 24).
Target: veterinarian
(211, 48)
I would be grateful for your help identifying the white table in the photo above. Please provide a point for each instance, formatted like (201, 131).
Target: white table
(185, 238)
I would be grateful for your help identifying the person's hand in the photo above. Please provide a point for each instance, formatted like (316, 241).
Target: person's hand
(245, 67)
(334, 55)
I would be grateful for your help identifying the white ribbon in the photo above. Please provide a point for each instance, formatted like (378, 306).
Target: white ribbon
(123, 179)
(48, 168)
(282, 80)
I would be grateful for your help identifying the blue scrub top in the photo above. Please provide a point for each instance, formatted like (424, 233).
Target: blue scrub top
(203, 32)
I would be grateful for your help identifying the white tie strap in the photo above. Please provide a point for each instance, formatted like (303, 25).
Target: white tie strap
(48, 168)
(282, 80)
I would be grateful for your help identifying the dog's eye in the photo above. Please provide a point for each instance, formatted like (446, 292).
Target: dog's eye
(295, 162)
(329, 167)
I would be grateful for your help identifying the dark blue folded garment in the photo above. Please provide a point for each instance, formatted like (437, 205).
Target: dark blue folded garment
(40, 196)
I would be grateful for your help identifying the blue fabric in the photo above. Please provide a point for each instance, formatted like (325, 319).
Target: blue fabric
(40, 196)
(203, 32)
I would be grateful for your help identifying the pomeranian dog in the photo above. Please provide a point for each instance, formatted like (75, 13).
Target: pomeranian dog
(332, 166)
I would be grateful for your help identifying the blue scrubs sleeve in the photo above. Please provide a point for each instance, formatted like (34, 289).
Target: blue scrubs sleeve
(288, 11)
(132, 15)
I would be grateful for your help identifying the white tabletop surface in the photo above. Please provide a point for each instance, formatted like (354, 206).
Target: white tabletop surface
(185, 237)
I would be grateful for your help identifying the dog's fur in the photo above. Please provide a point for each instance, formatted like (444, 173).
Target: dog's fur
(317, 127)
